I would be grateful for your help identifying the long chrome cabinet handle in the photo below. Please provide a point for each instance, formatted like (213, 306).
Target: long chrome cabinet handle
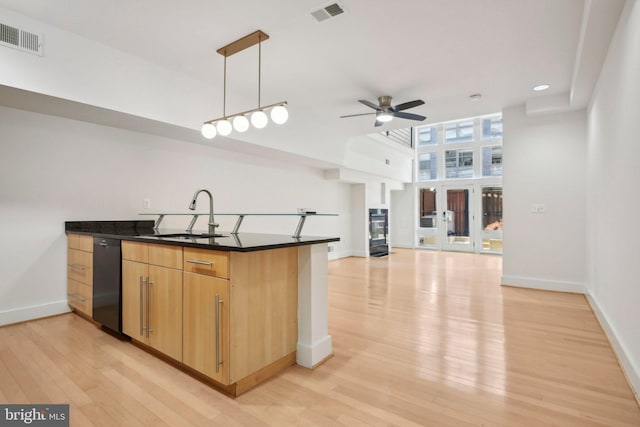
(141, 313)
(197, 261)
(218, 361)
(77, 267)
(148, 326)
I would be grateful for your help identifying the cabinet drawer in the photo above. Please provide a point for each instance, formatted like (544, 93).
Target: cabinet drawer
(80, 242)
(135, 251)
(203, 261)
(166, 256)
(80, 297)
(80, 266)
(149, 253)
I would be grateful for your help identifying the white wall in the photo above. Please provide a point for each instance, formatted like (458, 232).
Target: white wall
(54, 169)
(85, 71)
(379, 155)
(544, 163)
(359, 220)
(403, 221)
(613, 197)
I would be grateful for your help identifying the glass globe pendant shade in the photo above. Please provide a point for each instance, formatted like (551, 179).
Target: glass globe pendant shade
(384, 117)
(259, 119)
(279, 115)
(241, 124)
(224, 127)
(209, 131)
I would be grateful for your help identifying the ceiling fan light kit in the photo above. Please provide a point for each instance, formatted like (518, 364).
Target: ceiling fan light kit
(385, 112)
(223, 125)
(384, 117)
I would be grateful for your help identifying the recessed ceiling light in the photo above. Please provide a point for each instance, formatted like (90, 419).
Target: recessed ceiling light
(475, 96)
(540, 88)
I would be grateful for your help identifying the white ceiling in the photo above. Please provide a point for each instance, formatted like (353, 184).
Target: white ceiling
(441, 51)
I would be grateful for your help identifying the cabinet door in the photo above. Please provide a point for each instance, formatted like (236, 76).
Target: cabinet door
(165, 310)
(134, 312)
(206, 336)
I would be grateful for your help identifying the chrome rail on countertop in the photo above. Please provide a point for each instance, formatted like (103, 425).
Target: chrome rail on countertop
(236, 229)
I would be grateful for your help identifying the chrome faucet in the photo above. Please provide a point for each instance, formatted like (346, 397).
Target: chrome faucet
(192, 206)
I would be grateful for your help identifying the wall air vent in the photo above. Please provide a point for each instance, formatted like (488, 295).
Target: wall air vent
(20, 39)
(327, 12)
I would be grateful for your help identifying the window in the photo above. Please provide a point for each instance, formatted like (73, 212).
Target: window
(492, 219)
(459, 160)
(427, 136)
(492, 208)
(427, 166)
(492, 161)
(459, 132)
(459, 163)
(428, 213)
(492, 128)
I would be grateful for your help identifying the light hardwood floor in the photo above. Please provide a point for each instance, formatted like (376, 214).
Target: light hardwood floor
(420, 338)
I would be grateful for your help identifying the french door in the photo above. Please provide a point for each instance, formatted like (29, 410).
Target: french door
(456, 231)
(446, 219)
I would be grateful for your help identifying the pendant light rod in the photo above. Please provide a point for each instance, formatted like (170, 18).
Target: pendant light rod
(224, 93)
(259, 67)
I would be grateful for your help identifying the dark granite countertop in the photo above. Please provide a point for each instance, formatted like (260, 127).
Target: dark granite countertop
(142, 231)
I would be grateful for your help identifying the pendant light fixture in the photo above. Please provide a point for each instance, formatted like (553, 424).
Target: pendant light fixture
(259, 119)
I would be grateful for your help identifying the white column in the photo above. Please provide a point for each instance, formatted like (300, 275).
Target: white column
(314, 341)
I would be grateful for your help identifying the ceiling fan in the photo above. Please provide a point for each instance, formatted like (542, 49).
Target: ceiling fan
(385, 112)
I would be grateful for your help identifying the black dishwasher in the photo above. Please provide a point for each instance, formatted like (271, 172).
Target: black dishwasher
(107, 283)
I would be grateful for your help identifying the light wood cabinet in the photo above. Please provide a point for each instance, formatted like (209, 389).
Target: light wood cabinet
(207, 262)
(264, 310)
(206, 308)
(152, 296)
(80, 273)
(230, 316)
(256, 322)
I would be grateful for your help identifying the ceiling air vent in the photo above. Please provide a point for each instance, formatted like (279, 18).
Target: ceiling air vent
(327, 12)
(20, 39)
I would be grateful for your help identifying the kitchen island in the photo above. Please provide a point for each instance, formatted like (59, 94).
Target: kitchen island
(232, 310)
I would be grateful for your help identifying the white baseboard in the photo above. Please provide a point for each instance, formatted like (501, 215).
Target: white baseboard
(23, 314)
(362, 254)
(310, 356)
(630, 371)
(337, 255)
(546, 285)
(402, 245)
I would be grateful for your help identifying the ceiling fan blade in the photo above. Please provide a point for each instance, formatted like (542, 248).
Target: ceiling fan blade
(409, 116)
(369, 104)
(378, 123)
(407, 105)
(356, 115)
